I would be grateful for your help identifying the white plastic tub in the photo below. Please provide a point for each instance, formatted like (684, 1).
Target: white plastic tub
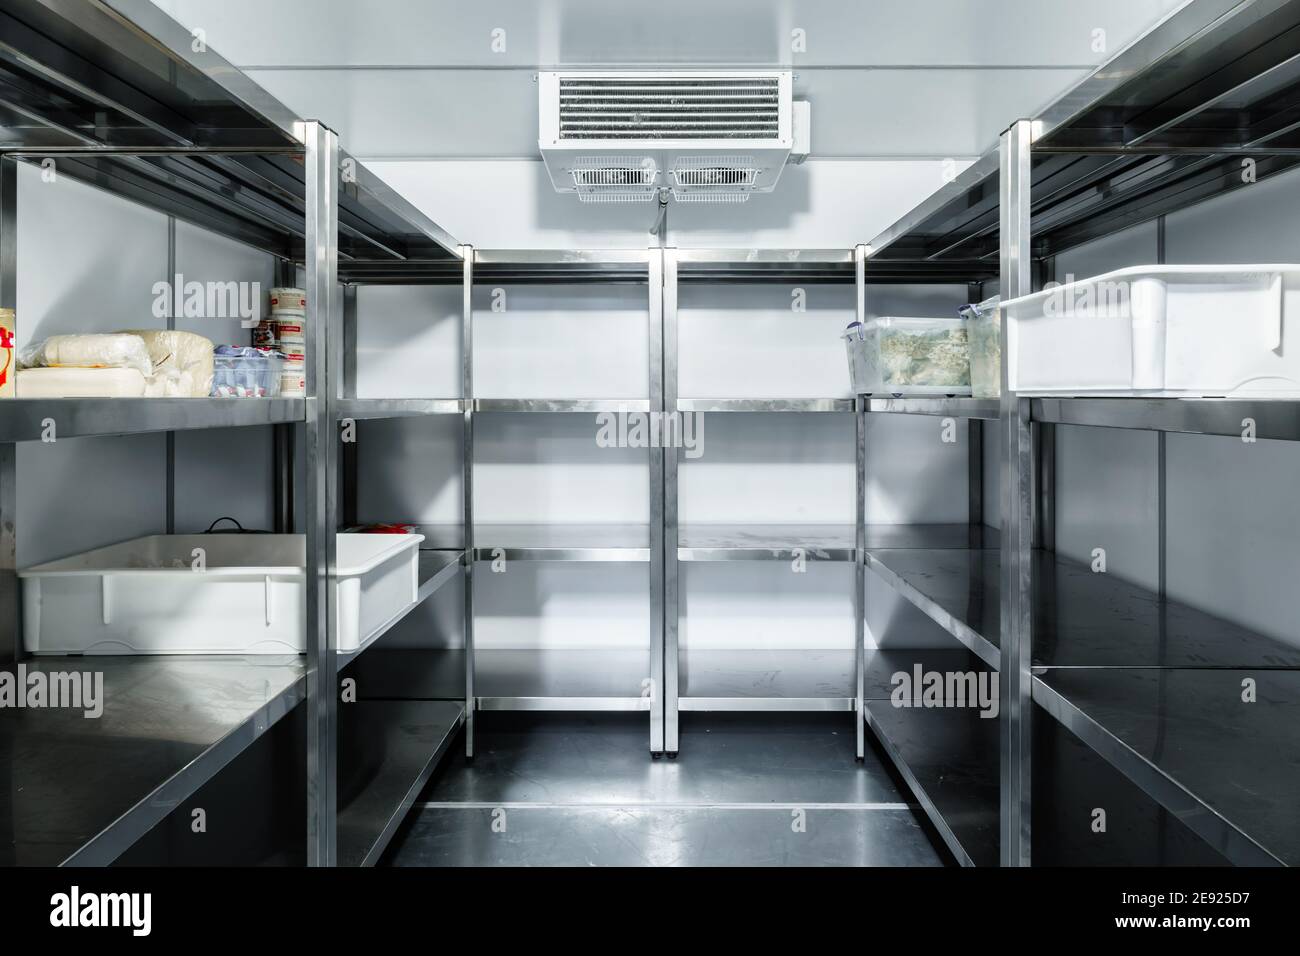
(1182, 331)
(909, 356)
(154, 595)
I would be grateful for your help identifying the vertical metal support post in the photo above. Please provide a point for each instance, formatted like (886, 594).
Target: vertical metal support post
(658, 606)
(467, 480)
(348, 386)
(282, 442)
(671, 463)
(1162, 572)
(975, 481)
(1017, 515)
(170, 451)
(321, 250)
(860, 524)
(1042, 436)
(11, 646)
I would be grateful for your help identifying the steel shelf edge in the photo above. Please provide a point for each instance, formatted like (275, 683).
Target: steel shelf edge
(1199, 817)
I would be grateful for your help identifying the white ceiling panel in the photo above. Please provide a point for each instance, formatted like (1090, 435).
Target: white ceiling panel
(541, 33)
(493, 113)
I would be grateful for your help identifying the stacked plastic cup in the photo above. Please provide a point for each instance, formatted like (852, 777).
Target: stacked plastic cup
(289, 316)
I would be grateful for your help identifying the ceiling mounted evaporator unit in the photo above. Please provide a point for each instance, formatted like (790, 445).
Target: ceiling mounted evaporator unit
(707, 136)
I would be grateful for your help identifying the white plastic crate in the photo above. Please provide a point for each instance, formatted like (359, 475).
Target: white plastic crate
(149, 596)
(1179, 331)
(893, 355)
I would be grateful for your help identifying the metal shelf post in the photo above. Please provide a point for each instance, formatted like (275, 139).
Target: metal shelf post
(1015, 677)
(860, 524)
(663, 310)
(322, 202)
(467, 479)
(11, 648)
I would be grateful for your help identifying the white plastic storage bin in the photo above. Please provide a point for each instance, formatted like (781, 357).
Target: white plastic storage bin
(909, 356)
(1181, 331)
(242, 594)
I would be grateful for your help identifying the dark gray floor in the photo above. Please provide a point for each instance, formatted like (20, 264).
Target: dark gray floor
(581, 790)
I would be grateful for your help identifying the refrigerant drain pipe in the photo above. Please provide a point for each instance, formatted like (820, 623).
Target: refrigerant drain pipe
(660, 227)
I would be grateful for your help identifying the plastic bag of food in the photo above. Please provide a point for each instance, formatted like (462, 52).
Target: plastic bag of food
(182, 363)
(102, 350)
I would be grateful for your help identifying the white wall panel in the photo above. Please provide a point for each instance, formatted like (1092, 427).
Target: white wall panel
(227, 471)
(409, 341)
(561, 341)
(87, 262)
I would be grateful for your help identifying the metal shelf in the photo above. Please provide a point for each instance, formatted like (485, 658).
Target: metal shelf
(115, 91)
(565, 405)
(82, 790)
(955, 587)
(981, 408)
(1277, 420)
(797, 405)
(409, 738)
(1227, 769)
(579, 542)
(595, 679)
(1080, 619)
(949, 758)
(371, 408)
(819, 542)
(1155, 129)
(775, 542)
(29, 419)
(766, 680)
(796, 680)
(436, 568)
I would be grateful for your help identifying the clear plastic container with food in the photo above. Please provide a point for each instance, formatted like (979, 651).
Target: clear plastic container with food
(984, 334)
(909, 356)
(242, 372)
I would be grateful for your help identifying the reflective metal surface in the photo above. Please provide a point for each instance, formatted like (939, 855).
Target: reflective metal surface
(364, 408)
(769, 542)
(563, 405)
(321, 505)
(975, 408)
(127, 100)
(1016, 620)
(1278, 420)
(842, 405)
(28, 419)
(949, 758)
(1228, 768)
(665, 835)
(578, 790)
(400, 742)
(579, 542)
(952, 587)
(81, 790)
(1152, 130)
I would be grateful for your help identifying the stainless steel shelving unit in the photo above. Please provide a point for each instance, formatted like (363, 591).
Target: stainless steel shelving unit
(1164, 124)
(621, 680)
(116, 93)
